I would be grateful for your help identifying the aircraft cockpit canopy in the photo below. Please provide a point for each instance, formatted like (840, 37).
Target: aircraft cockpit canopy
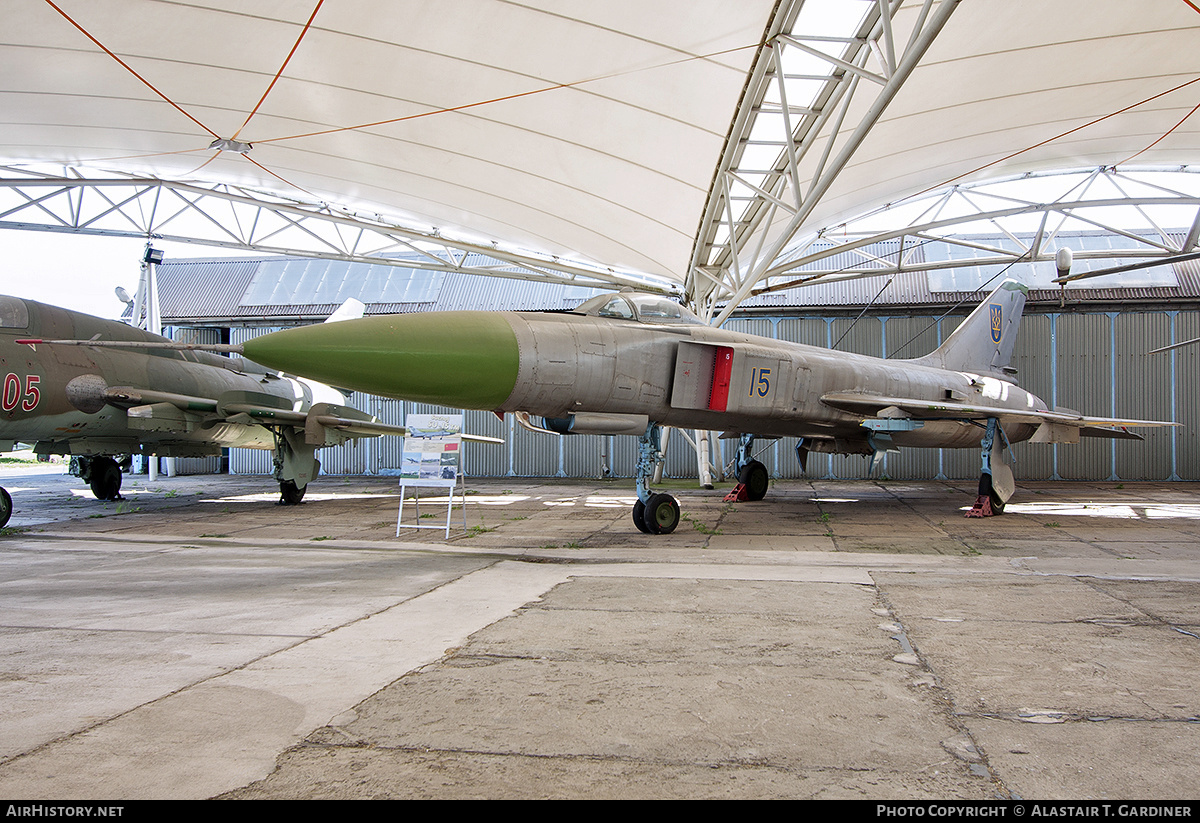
(14, 314)
(646, 308)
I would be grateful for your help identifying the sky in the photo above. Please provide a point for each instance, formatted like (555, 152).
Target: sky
(79, 272)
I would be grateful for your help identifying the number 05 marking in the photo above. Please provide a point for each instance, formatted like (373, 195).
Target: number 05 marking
(11, 395)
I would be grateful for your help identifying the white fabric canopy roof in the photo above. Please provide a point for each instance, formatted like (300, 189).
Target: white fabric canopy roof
(584, 129)
(1012, 86)
(615, 167)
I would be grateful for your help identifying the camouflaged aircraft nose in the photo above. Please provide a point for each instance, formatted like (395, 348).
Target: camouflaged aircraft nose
(458, 359)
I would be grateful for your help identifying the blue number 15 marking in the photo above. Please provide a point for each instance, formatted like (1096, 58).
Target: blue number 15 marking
(760, 382)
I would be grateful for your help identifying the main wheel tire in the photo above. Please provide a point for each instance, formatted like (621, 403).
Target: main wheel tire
(662, 514)
(985, 487)
(105, 479)
(639, 515)
(5, 507)
(756, 480)
(290, 494)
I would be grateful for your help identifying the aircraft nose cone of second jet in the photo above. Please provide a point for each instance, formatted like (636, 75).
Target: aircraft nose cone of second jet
(458, 359)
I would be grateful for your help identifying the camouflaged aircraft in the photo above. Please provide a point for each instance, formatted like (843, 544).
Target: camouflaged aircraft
(101, 405)
(632, 363)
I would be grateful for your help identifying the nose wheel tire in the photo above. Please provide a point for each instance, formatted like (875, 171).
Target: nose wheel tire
(756, 480)
(639, 514)
(5, 507)
(660, 514)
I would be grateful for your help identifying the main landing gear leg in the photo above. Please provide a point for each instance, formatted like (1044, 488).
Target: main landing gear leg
(653, 513)
(752, 475)
(996, 484)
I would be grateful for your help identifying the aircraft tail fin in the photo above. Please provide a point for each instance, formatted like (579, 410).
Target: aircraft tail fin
(983, 342)
(351, 309)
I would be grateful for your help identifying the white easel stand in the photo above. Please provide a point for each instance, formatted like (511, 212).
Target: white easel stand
(449, 485)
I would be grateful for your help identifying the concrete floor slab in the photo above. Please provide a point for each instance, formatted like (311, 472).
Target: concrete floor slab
(196, 640)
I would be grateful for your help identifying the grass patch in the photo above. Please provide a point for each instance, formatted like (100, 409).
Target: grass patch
(703, 528)
(19, 461)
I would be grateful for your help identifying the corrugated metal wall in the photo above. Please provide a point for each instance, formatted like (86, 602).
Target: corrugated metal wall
(1092, 362)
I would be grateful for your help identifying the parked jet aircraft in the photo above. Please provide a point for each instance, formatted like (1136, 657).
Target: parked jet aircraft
(632, 363)
(102, 404)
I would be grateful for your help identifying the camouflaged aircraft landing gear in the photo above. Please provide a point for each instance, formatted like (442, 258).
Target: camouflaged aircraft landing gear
(996, 482)
(290, 494)
(295, 464)
(753, 478)
(654, 512)
(101, 473)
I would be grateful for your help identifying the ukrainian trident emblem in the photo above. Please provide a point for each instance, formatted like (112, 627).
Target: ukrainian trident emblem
(997, 322)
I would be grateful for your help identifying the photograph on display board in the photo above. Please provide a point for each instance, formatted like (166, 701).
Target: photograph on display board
(432, 447)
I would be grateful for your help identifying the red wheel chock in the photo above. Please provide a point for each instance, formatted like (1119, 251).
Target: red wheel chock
(982, 507)
(738, 495)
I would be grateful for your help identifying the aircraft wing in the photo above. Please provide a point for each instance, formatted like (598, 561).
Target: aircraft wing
(1058, 426)
(264, 409)
(366, 427)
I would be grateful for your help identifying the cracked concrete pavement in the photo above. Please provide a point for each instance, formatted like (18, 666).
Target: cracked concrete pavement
(836, 640)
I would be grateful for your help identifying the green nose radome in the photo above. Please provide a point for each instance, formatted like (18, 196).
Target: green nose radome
(459, 359)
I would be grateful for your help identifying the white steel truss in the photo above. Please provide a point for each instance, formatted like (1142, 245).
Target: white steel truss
(1157, 213)
(231, 217)
(756, 206)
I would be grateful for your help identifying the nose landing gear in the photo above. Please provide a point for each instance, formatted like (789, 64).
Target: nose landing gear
(654, 512)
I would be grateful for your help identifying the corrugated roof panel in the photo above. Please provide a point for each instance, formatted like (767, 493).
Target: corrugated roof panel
(904, 289)
(301, 289)
(203, 288)
(1041, 274)
(466, 291)
(296, 282)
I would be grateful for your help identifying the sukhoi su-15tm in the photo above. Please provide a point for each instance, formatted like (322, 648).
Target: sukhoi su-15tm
(632, 363)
